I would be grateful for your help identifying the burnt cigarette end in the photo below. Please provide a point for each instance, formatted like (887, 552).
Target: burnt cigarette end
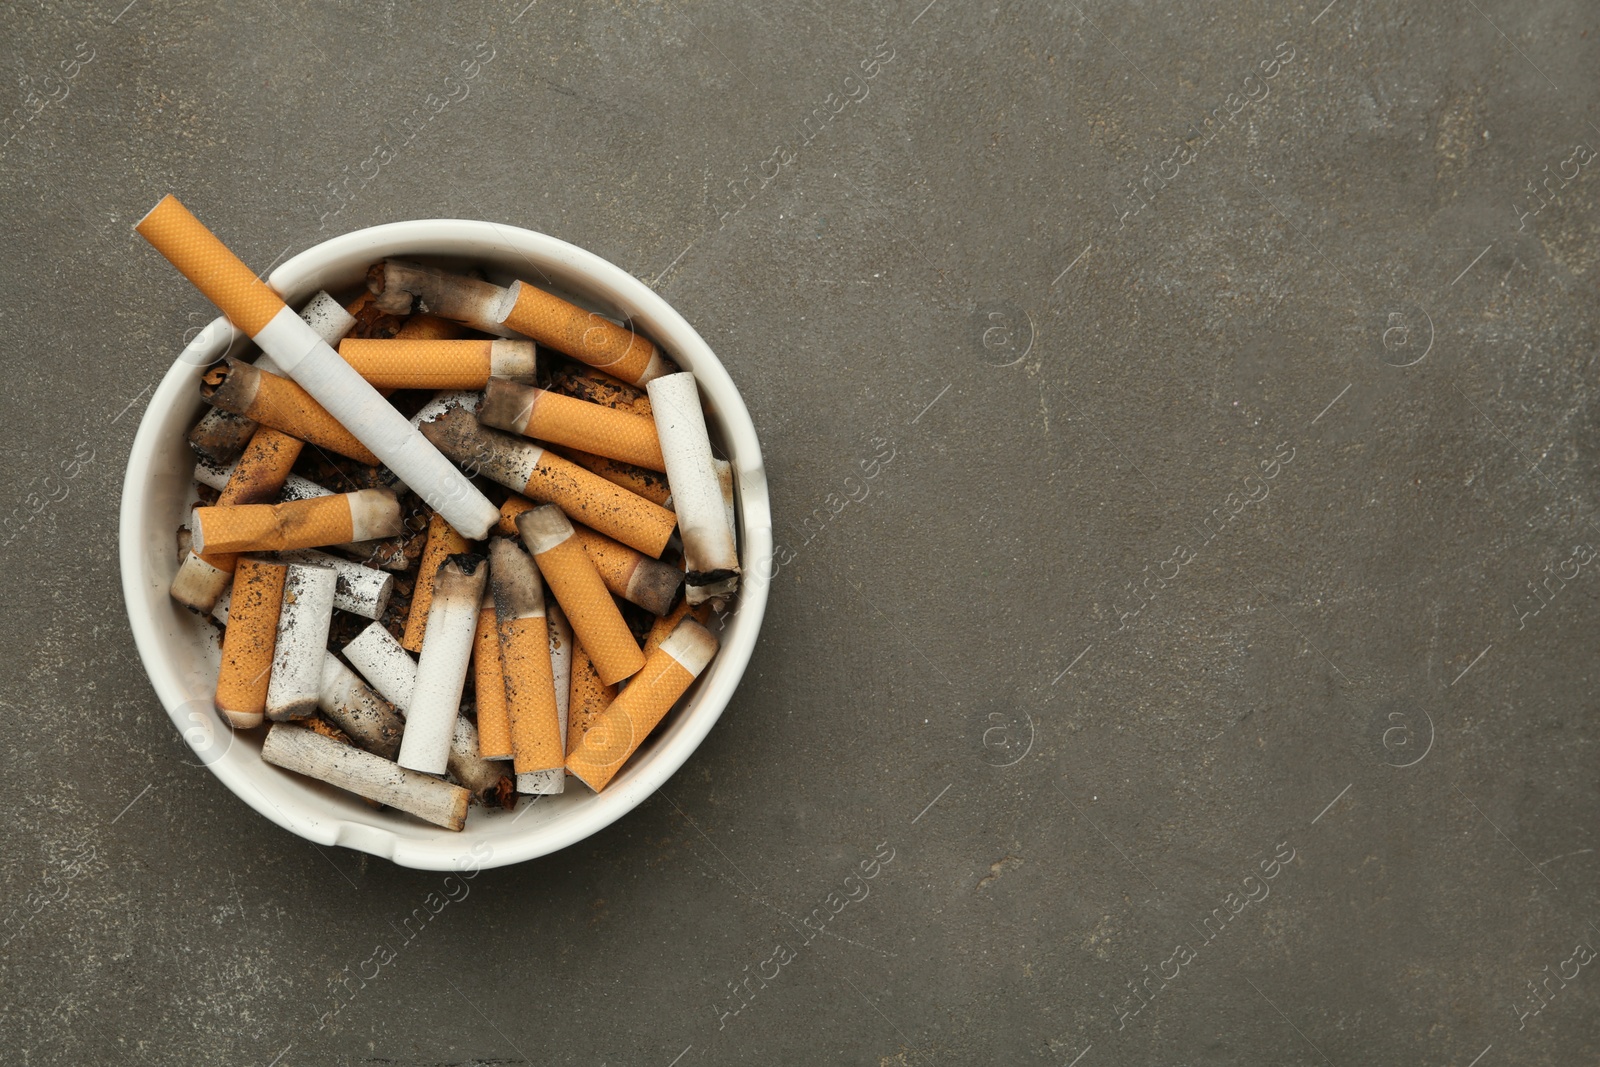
(465, 563)
(507, 405)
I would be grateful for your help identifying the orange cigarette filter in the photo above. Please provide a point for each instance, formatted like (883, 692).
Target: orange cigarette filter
(662, 628)
(489, 680)
(623, 726)
(278, 402)
(652, 485)
(627, 572)
(598, 387)
(442, 541)
(427, 328)
(249, 641)
(337, 519)
(524, 633)
(581, 592)
(257, 478)
(418, 364)
(584, 335)
(563, 420)
(588, 698)
(183, 239)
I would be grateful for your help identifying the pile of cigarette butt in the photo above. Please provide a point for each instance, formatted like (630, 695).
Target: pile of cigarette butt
(462, 540)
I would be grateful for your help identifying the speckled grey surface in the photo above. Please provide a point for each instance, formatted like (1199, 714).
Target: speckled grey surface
(1088, 710)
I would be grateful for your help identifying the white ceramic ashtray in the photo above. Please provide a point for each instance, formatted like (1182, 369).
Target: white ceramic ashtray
(181, 649)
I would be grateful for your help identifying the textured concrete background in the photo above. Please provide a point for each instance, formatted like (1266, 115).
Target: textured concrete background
(1225, 458)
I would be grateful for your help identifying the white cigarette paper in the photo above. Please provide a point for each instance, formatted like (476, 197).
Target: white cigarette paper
(354, 708)
(303, 625)
(297, 749)
(555, 779)
(442, 667)
(385, 664)
(360, 590)
(711, 557)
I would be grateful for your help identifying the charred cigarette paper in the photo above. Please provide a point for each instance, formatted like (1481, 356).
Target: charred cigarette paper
(301, 643)
(529, 686)
(588, 698)
(544, 476)
(627, 572)
(275, 401)
(336, 519)
(652, 485)
(583, 335)
(489, 681)
(403, 364)
(443, 541)
(725, 480)
(561, 647)
(370, 720)
(442, 667)
(385, 665)
(562, 420)
(295, 347)
(617, 733)
(402, 287)
(248, 644)
(597, 387)
(576, 583)
(361, 590)
(482, 776)
(709, 553)
(294, 748)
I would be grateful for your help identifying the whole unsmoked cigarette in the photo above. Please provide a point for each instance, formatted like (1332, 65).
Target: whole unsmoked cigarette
(588, 698)
(361, 590)
(221, 435)
(336, 519)
(662, 628)
(443, 541)
(371, 721)
(710, 554)
(250, 305)
(272, 400)
(576, 583)
(403, 286)
(563, 420)
(529, 683)
(583, 335)
(546, 477)
(627, 572)
(385, 665)
(482, 776)
(561, 647)
(302, 640)
(248, 644)
(617, 733)
(489, 681)
(598, 387)
(442, 667)
(404, 364)
(652, 485)
(297, 749)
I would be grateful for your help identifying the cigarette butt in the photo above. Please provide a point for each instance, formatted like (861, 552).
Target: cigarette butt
(443, 541)
(576, 583)
(530, 692)
(297, 749)
(275, 401)
(598, 387)
(427, 328)
(220, 435)
(652, 485)
(325, 520)
(248, 644)
(564, 420)
(627, 572)
(403, 286)
(371, 721)
(544, 476)
(302, 640)
(209, 472)
(561, 648)
(385, 665)
(725, 483)
(405, 364)
(442, 667)
(588, 698)
(359, 589)
(662, 628)
(711, 557)
(583, 335)
(619, 731)
(200, 583)
(297, 349)
(489, 678)
(484, 777)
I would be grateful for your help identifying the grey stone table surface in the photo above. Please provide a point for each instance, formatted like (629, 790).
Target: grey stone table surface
(1208, 678)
